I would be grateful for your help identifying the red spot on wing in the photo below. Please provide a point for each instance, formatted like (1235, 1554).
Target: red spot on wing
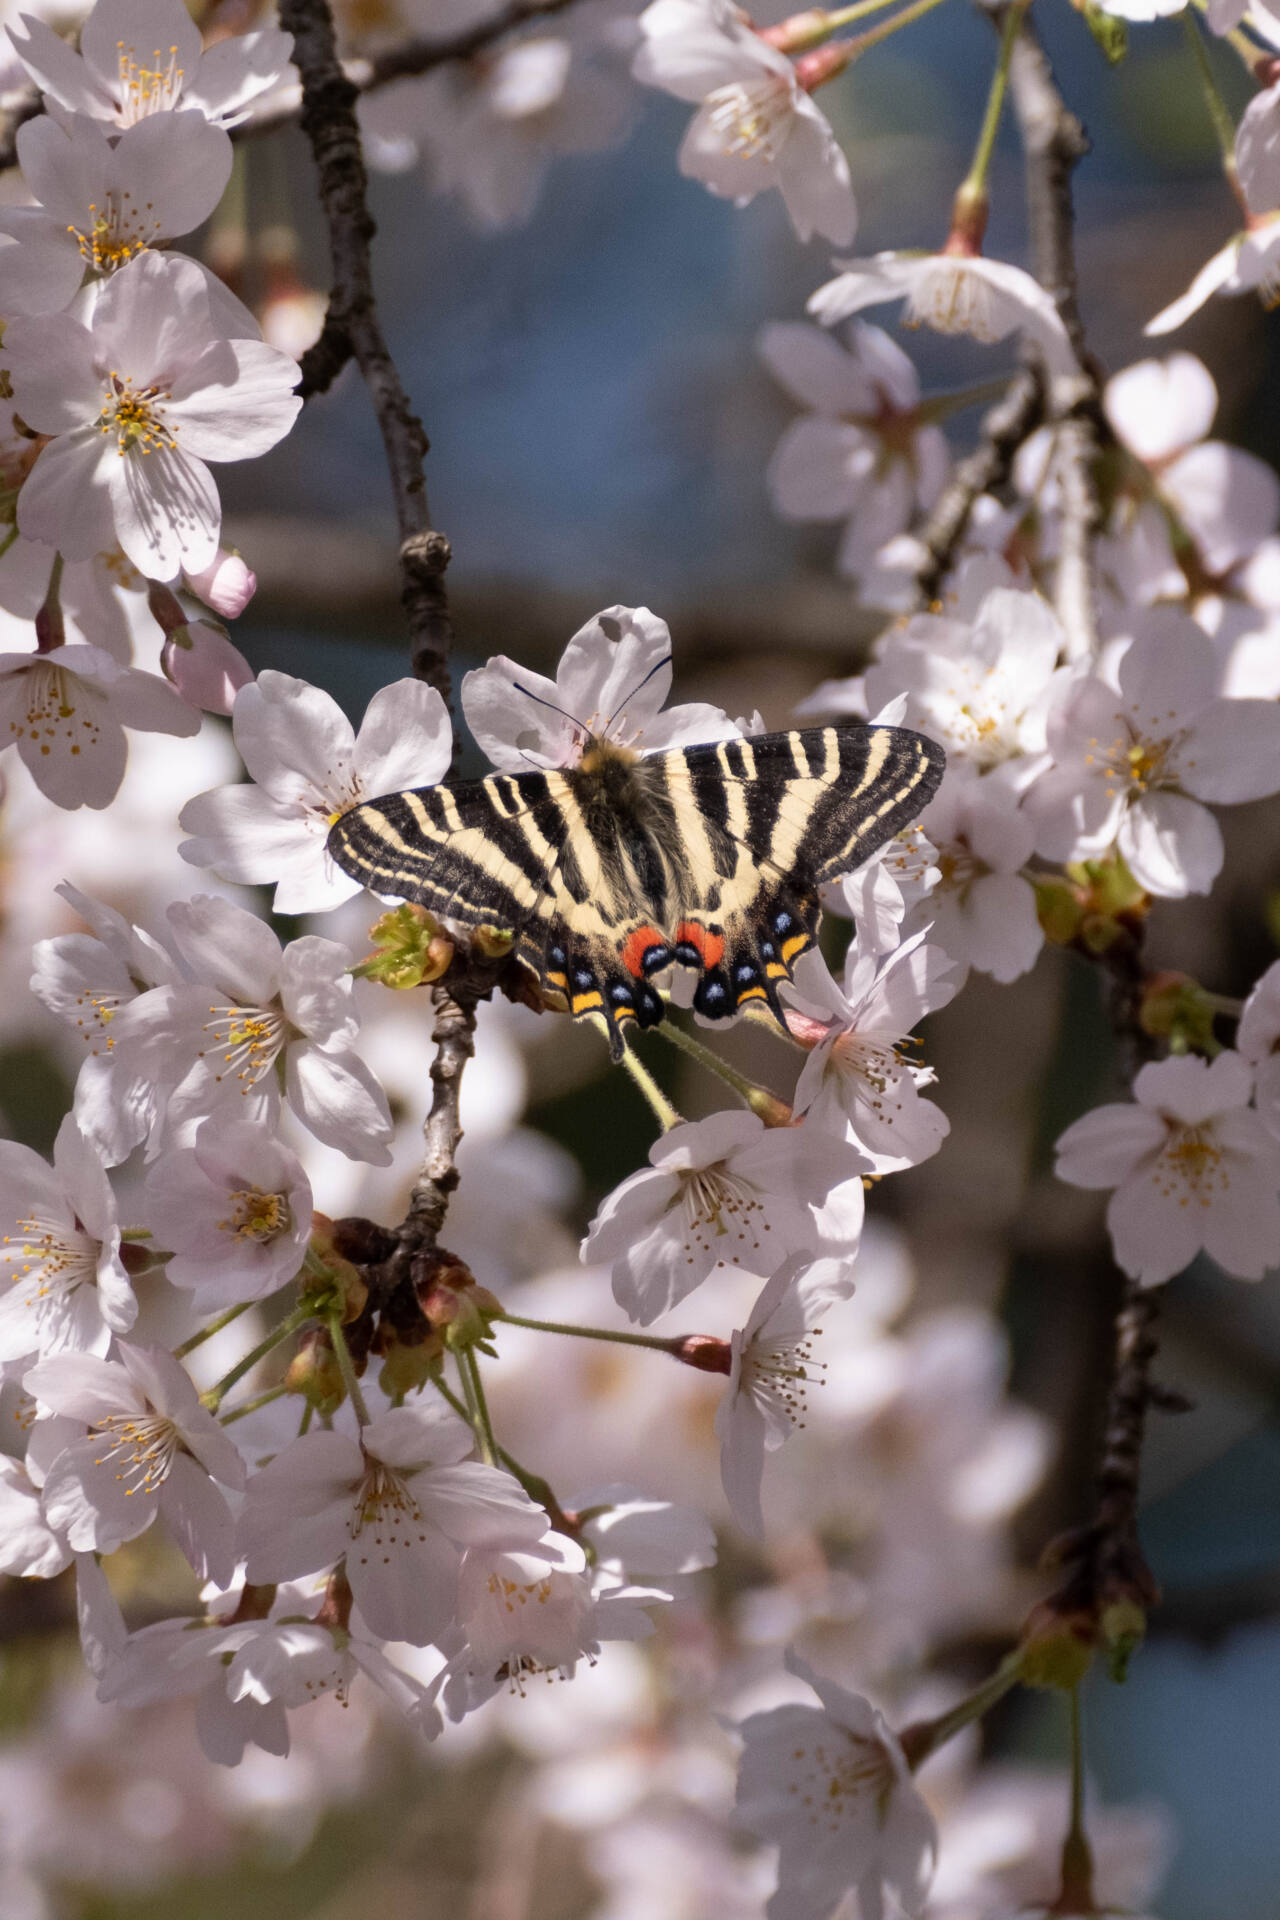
(636, 946)
(707, 945)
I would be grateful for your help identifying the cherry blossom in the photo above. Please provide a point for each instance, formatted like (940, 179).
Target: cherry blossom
(135, 404)
(234, 1211)
(1248, 263)
(157, 179)
(150, 1448)
(983, 687)
(773, 1366)
(490, 128)
(143, 57)
(865, 453)
(888, 888)
(953, 293)
(982, 911)
(1193, 1168)
(1258, 1041)
(611, 683)
(66, 712)
(212, 1046)
(858, 1079)
(309, 766)
(40, 264)
(829, 1786)
(59, 1251)
(1133, 765)
(30, 1549)
(755, 126)
(401, 1504)
(723, 1190)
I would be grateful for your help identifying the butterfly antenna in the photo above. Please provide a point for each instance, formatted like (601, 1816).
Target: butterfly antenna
(549, 704)
(655, 668)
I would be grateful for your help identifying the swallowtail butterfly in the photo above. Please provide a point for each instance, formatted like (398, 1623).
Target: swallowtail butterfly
(611, 871)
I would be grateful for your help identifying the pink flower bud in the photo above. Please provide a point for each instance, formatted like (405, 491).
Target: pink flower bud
(204, 666)
(226, 584)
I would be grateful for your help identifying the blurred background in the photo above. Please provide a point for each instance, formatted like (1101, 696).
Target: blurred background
(600, 427)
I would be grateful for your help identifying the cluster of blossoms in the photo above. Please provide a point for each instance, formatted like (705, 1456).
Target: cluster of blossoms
(127, 368)
(361, 1518)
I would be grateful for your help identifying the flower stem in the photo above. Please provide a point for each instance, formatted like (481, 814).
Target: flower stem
(906, 18)
(975, 182)
(1077, 1855)
(1219, 112)
(489, 1449)
(749, 1090)
(595, 1333)
(214, 1326)
(217, 1394)
(251, 1406)
(924, 1737)
(665, 1113)
(346, 1367)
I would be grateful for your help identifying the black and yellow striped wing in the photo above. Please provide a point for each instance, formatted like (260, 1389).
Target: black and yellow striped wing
(608, 873)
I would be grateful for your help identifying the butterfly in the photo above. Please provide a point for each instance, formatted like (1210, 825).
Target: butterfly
(612, 871)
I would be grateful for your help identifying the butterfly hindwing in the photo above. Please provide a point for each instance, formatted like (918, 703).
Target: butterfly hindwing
(708, 857)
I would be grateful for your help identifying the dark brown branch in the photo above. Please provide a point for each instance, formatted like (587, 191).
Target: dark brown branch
(329, 123)
(400, 62)
(1054, 143)
(1012, 420)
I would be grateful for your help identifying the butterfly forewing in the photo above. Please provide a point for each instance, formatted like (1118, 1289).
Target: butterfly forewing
(708, 857)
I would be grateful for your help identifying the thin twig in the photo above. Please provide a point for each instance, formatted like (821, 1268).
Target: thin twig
(329, 122)
(407, 58)
(1012, 420)
(1054, 143)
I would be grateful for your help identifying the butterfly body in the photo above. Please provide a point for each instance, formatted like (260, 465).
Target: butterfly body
(609, 872)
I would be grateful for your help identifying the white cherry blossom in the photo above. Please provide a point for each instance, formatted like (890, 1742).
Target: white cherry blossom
(1135, 761)
(1258, 1042)
(865, 452)
(30, 1549)
(859, 1080)
(772, 1367)
(1193, 1168)
(150, 1448)
(212, 1047)
(156, 180)
(982, 687)
(830, 1787)
(1249, 263)
(490, 128)
(611, 683)
(308, 766)
(401, 1503)
(982, 911)
(143, 57)
(723, 1190)
(66, 1287)
(40, 263)
(234, 1211)
(755, 127)
(66, 712)
(135, 404)
(953, 293)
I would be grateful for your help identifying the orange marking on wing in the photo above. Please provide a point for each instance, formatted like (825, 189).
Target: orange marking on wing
(636, 946)
(709, 946)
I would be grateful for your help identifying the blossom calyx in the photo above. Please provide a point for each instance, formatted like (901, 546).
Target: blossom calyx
(411, 949)
(969, 212)
(1176, 1008)
(705, 1352)
(332, 1283)
(1124, 1627)
(1057, 1647)
(453, 1302)
(315, 1374)
(407, 1368)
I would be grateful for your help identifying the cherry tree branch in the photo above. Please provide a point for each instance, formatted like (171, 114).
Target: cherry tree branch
(1013, 419)
(1054, 143)
(352, 327)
